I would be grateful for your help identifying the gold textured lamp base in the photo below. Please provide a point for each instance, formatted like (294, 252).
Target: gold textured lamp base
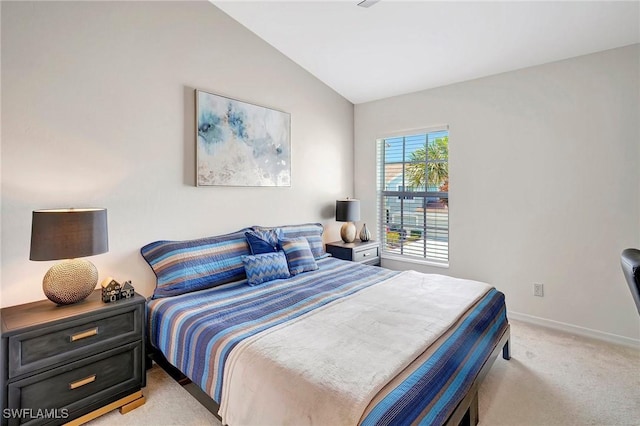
(70, 281)
(348, 232)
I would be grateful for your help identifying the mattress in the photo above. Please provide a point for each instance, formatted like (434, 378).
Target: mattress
(197, 332)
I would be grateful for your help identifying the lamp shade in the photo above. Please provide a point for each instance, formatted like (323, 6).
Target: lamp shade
(347, 210)
(68, 233)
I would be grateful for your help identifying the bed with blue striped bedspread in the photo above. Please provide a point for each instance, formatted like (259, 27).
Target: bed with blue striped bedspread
(196, 332)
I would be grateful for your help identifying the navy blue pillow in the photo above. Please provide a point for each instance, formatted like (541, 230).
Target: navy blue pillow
(258, 245)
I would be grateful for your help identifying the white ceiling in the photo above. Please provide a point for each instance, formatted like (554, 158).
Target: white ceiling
(396, 47)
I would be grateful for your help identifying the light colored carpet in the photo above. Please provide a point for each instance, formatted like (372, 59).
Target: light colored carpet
(553, 378)
(168, 403)
(556, 378)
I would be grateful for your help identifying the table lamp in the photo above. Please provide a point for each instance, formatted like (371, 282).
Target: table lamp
(348, 211)
(69, 234)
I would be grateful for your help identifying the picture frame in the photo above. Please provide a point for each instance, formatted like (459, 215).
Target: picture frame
(240, 143)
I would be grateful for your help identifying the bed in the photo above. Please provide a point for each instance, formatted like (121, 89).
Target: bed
(335, 343)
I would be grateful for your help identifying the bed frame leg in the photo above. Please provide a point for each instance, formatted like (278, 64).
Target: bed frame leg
(471, 415)
(473, 411)
(506, 350)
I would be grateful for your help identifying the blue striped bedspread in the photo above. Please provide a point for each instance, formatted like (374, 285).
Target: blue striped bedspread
(197, 331)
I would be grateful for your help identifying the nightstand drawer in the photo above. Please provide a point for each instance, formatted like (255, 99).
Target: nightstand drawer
(79, 384)
(48, 346)
(363, 252)
(365, 255)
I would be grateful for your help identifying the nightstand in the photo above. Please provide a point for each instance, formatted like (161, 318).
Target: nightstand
(358, 251)
(71, 363)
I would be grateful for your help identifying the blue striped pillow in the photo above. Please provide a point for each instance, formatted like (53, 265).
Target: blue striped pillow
(311, 231)
(299, 256)
(186, 266)
(261, 268)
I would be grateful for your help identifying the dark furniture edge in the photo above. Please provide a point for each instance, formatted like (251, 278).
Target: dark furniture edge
(92, 307)
(201, 396)
(34, 315)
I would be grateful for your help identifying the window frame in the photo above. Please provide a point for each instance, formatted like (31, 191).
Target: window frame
(381, 193)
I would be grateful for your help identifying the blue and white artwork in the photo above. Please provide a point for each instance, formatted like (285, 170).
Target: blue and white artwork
(240, 144)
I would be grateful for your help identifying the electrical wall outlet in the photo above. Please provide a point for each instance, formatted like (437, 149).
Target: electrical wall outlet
(538, 289)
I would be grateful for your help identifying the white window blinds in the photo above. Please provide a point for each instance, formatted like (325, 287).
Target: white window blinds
(413, 195)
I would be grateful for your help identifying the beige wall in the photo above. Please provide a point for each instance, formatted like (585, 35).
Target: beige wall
(98, 110)
(544, 183)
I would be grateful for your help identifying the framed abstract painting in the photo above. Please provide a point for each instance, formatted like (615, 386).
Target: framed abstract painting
(241, 144)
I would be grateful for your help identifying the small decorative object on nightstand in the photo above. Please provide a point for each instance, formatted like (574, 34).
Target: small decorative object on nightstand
(73, 363)
(365, 234)
(367, 252)
(127, 290)
(112, 290)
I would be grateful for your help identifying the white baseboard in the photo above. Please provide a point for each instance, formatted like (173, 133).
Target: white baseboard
(574, 329)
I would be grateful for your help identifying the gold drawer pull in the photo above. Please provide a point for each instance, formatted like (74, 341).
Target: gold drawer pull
(82, 382)
(84, 334)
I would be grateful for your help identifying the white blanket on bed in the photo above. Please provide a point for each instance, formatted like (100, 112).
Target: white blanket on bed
(326, 366)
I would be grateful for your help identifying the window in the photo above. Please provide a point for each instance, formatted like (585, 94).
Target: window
(413, 195)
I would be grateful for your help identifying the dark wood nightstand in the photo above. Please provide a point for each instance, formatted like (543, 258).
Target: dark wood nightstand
(71, 363)
(358, 251)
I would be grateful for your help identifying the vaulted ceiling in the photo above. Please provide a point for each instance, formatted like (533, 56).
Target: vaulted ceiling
(396, 47)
